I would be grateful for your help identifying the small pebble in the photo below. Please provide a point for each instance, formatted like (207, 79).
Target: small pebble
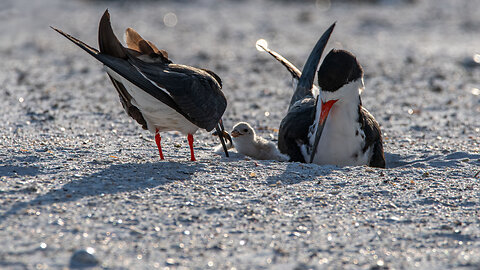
(84, 258)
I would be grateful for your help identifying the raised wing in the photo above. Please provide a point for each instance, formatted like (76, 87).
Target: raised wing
(290, 67)
(294, 71)
(305, 83)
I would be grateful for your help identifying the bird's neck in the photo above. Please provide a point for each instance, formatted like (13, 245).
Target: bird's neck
(345, 110)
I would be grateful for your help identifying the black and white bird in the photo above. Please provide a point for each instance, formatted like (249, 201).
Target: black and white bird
(246, 141)
(331, 127)
(159, 95)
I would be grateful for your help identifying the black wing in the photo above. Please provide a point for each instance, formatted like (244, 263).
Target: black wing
(126, 69)
(287, 64)
(125, 99)
(196, 92)
(373, 137)
(192, 92)
(305, 83)
(294, 128)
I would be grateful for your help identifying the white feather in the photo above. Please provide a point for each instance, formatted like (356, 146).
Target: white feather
(342, 140)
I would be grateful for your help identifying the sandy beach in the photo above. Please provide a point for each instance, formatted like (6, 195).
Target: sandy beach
(81, 184)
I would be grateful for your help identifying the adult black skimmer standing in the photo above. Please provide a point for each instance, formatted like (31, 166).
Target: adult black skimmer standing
(351, 135)
(159, 95)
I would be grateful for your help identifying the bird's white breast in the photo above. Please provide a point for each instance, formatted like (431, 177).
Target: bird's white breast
(342, 141)
(157, 114)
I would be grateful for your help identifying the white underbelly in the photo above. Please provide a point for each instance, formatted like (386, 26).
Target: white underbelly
(341, 143)
(157, 114)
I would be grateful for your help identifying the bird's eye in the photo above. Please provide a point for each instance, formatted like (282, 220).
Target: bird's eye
(245, 130)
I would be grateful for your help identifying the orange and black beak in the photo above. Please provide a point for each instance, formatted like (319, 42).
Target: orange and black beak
(321, 123)
(235, 133)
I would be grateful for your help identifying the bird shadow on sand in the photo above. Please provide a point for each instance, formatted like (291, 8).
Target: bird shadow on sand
(15, 170)
(17, 166)
(437, 161)
(114, 179)
(296, 172)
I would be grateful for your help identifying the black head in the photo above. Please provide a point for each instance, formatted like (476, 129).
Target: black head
(338, 68)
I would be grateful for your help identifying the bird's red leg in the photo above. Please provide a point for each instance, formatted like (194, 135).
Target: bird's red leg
(157, 140)
(190, 142)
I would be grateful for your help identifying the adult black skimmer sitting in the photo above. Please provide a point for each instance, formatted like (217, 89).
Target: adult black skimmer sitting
(351, 135)
(248, 143)
(159, 95)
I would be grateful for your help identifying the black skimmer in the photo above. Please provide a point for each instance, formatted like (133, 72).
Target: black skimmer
(159, 95)
(248, 143)
(351, 135)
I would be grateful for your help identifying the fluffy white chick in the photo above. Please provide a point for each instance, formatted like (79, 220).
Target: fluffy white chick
(248, 143)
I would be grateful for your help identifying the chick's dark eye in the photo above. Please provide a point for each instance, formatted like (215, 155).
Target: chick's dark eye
(245, 130)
